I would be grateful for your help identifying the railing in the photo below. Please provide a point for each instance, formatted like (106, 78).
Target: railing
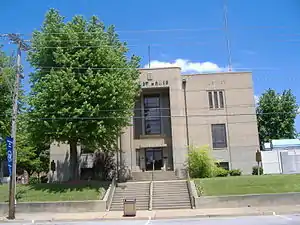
(190, 190)
(151, 196)
(153, 167)
(111, 192)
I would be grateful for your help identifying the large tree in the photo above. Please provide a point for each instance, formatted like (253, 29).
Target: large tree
(84, 86)
(6, 89)
(276, 114)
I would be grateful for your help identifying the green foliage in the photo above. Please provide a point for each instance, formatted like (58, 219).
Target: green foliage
(201, 163)
(255, 170)
(7, 73)
(221, 172)
(276, 115)
(34, 180)
(235, 172)
(83, 83)
(32, 156)
(104, 164)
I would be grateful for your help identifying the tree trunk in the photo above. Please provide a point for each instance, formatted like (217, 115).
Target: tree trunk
(74, 172)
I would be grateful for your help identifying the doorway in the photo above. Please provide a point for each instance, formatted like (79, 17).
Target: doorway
(154, 158)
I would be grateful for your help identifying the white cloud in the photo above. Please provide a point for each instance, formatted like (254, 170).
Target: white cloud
(187, 66)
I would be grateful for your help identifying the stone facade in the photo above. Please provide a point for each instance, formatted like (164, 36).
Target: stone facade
(175, 110)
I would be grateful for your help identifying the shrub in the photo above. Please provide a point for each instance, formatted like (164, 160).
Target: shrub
(255, 170)
(235, 172)
(221, 172)
(44, 179)
(34, 180)
(201, 164)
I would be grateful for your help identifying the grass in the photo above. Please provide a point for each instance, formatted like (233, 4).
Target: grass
(57, 192)
(248, 185)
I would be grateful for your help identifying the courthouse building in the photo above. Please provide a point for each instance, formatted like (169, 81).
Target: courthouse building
(175, 111)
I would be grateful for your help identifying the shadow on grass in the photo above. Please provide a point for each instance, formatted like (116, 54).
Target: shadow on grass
(72, 186)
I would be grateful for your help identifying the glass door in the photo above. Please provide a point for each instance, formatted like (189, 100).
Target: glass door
(154, 159)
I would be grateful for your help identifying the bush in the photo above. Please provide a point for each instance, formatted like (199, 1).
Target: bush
(221, 172)
(44, 179)
(201, 163)
(235, 172)
(255, 170)
(34, 180)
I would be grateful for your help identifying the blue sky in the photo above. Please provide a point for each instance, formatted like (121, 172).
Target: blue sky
(264, 35)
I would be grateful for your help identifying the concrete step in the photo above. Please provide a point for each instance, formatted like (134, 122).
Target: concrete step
(138, 191)
(170, 207)
(171, 195)
(156, 175)
(167, 198)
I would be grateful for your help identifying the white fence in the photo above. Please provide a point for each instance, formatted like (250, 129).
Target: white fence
(281, 161)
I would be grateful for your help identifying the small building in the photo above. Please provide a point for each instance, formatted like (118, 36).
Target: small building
(281, 156)
(175, 111)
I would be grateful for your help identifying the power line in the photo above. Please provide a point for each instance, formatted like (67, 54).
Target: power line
(171, 116)
(205, 29)
(124, 68)
(158, 108)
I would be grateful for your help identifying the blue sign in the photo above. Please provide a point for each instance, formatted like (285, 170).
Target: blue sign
(9, 149)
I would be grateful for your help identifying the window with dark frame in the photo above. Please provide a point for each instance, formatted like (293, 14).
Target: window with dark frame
(210, 100)
(221, 97)
(219, 136)
(138, 160)
(216, 99)
(152, 117)
(224, 165)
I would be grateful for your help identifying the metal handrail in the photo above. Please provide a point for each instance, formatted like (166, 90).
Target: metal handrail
(112, 192)
(151, 196)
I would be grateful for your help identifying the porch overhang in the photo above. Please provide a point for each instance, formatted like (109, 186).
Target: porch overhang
(150, 142)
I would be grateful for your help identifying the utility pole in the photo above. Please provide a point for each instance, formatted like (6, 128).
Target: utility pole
(12, 187)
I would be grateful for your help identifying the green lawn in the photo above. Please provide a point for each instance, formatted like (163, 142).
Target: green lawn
(248, 185)
(57, 192)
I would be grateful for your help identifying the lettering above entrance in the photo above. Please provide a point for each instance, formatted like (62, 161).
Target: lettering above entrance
(157, 83)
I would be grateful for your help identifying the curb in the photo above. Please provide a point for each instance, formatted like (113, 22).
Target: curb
(216, 215)
(268, 213)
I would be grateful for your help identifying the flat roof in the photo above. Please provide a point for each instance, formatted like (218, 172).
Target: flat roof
(161, 68)
(217, 73)
(197, 74)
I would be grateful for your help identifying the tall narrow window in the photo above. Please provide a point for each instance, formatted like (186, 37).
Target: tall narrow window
(210, 100)
(216, 99)
(219, 136)
(152, 114)
(221, 97)
(138, 160)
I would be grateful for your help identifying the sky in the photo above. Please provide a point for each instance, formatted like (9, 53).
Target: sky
(264, 35)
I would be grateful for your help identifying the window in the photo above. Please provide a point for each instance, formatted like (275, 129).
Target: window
(138, 160)
(224, 165)
(210, 100)
(216, 99)
(219, 136)
(152, 117)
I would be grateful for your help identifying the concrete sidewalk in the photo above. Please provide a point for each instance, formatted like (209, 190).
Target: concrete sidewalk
(157, 214)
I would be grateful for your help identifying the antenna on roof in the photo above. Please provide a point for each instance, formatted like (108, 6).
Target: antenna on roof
(227, 36)
(149, 56)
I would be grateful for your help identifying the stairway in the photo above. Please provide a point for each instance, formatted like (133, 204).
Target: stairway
(155, 175)
(171, 195)
(131, 190)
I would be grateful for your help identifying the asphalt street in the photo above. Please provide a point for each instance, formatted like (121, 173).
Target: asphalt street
(257, 220)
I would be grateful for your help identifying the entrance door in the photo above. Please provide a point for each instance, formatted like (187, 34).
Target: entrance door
(154, 159)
